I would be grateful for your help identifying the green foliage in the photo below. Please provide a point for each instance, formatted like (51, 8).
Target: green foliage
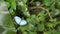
(1, 29)
(44, 18)
(12, 12)
(8, 25)
(10, 32)
(40, 27)
(13, 5)
(56, 32)
(24, 1)
(7, 21)
(47, 2)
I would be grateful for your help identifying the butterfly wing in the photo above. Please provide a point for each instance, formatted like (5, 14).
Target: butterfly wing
(23, 22)
(17, 19)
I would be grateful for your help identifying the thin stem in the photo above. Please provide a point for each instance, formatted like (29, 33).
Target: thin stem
(47, 10)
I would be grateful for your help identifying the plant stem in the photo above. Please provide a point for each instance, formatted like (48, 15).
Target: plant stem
(47, 10)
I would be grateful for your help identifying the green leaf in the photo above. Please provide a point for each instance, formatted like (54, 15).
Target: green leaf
(12, 12)
(53, 20)
(56, 32)
(47, 2)
(24, 1)
(9, 1)
(27, 27)
(58, 28)
(32, 33)
(24, 32)
(41, 18)
(57, 0)
(8, 5)
(33, 19)
(41, 13)
(40, 27)
(24, 8)
(1, 29)
(58, 5)
(38, 3)
(7, 21)
(48, 32)
(28, 20)
(58, 22)
(26, 14)
(13, 5)
(49, 25)
(10, 32)
(52, 7)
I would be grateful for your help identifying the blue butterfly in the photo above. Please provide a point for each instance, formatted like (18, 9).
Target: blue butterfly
(20, 21)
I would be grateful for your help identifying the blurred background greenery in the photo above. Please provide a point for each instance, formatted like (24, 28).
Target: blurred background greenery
(42, 16)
